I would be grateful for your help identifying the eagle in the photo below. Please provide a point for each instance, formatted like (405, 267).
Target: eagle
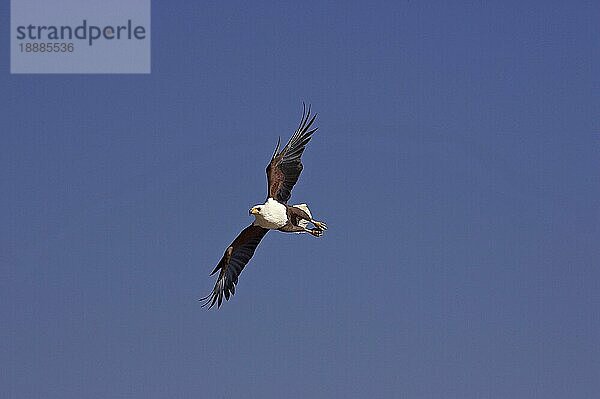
(283, 172)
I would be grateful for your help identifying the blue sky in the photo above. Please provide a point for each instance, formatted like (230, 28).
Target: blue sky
(456, 165)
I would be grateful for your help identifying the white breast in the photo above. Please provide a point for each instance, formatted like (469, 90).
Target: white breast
(273, 215)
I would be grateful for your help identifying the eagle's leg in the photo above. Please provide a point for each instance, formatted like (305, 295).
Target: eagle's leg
(319, 225)
(314, 232)
(291, 228)
(301, 216)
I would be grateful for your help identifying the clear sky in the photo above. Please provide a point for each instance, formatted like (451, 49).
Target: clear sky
(456, 164)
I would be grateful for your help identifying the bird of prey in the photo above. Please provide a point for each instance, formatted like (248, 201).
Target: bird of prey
(275, 214)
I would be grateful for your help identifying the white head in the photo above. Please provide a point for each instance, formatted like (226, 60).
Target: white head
(256, 210)
(270, 215)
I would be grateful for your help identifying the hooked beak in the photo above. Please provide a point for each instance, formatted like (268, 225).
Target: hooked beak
(253, 211)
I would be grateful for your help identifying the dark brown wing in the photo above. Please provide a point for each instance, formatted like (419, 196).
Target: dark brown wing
(285, 167)
(232, 263)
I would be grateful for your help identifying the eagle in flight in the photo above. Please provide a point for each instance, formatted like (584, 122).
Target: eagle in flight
(275, 214)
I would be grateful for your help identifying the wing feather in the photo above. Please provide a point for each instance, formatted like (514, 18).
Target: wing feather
(284, 169)
(235, 258)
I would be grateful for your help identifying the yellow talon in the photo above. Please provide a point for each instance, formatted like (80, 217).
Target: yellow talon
(320, 225)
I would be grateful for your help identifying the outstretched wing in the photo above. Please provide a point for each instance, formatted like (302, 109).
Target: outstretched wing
(232, 263)
(285, 166)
